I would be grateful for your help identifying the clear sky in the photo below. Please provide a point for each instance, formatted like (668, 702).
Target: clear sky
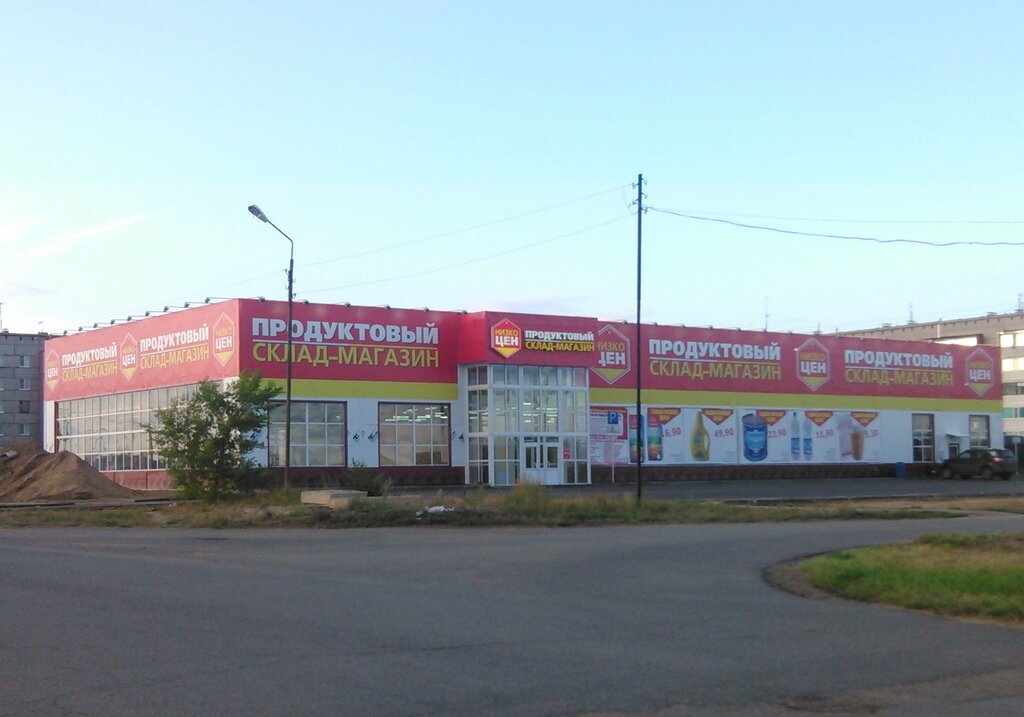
(483, 155)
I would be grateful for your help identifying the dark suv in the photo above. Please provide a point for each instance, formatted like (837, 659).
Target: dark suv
(984, 462)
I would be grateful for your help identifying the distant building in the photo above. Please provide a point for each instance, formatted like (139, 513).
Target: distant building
(21, 397)
(1003, 330)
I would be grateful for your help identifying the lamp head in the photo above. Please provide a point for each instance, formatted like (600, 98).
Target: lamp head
(258, 213)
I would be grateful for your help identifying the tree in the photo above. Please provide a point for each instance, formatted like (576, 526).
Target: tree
(206, 438)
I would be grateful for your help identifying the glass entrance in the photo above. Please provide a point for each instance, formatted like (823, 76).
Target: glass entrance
(526, 423)
(541, 460)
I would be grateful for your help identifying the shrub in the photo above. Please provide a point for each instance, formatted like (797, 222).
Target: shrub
(359, 477)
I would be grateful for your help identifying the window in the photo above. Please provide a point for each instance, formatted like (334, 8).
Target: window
(979, 431)
(24, 406)
(23, 384)
(924, 437)
(24, 362)
(478, 415)
(414, 434)
(318, 433)
(1011, 339)
(22, 429)
(109, 432)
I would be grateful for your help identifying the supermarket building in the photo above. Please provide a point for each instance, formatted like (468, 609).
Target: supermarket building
(435, 397)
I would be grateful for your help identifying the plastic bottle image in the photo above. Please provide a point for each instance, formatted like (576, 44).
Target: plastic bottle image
(634, 450)
(794, 437)
(654, 435)
(700, 440)
(808, 438)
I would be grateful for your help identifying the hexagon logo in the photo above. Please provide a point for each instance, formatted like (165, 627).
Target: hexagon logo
(613, 354)
(506, 338)
(813, 364)
(128, 358)
(981, 371)
(224, 339)
(52, 369)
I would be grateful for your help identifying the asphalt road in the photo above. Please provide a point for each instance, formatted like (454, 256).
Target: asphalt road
(653, 620)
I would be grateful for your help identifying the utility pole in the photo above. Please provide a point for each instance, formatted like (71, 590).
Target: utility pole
(641, 425)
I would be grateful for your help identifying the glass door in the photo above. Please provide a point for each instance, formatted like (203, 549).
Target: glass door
(541, 460)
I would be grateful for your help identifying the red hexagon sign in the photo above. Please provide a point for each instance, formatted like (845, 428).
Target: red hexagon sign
(506, 338)
(813, 364)
(981, 371)
(52, 369)
(128, 358)
(224, 339)
(613, 355)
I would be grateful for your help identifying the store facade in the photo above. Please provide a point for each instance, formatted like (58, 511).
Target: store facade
(435, 397)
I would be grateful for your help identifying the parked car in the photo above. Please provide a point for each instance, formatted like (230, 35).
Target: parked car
(984, 462)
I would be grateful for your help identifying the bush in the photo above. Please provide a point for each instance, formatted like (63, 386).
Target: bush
(359, 477)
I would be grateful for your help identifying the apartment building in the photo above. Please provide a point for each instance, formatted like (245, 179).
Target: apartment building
(21, 387)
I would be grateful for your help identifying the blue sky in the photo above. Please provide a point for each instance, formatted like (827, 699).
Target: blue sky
(482, 155)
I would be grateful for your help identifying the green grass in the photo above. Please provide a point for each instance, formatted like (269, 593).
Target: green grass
(949, 574)
(523, 505)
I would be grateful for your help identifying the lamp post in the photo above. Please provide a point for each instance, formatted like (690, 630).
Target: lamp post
(258, 213)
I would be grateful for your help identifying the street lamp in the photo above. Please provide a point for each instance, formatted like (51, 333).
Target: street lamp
(258, 213)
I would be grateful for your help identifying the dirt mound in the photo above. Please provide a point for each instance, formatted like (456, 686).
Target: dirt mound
(35, 474)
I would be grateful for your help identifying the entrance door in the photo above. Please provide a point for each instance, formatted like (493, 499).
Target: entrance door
(541, 460)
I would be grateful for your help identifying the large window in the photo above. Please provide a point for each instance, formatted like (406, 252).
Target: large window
(924, 437)
(414, 434)
(109, 432)
(318, 433)
(979, 431)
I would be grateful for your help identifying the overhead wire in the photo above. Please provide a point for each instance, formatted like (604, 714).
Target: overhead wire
(476, 260)
(794, 232)
(832, 220)
(454, 232)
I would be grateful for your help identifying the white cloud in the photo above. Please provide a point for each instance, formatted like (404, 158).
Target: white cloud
(60, 244)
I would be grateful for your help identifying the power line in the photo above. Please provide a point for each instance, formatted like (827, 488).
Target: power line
(833, 236)
(827, 220)
(470, 261)
(454, 232)
(421, 240)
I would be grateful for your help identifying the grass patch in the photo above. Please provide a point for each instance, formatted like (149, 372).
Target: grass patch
(129, 517)
(524, 504)
(950, 574)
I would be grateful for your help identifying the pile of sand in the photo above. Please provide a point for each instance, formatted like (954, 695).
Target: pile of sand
(35, 475)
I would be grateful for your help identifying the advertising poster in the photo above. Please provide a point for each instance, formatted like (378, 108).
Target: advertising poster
(859, 437)
(817, 436)
(766, 435)
(710, 435)
(677, 436)
(608, 444)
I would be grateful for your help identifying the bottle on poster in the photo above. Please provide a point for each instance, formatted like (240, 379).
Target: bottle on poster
(655, 433)
(794, 437)
(634, 450)
(700, 440)
(808, 441)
